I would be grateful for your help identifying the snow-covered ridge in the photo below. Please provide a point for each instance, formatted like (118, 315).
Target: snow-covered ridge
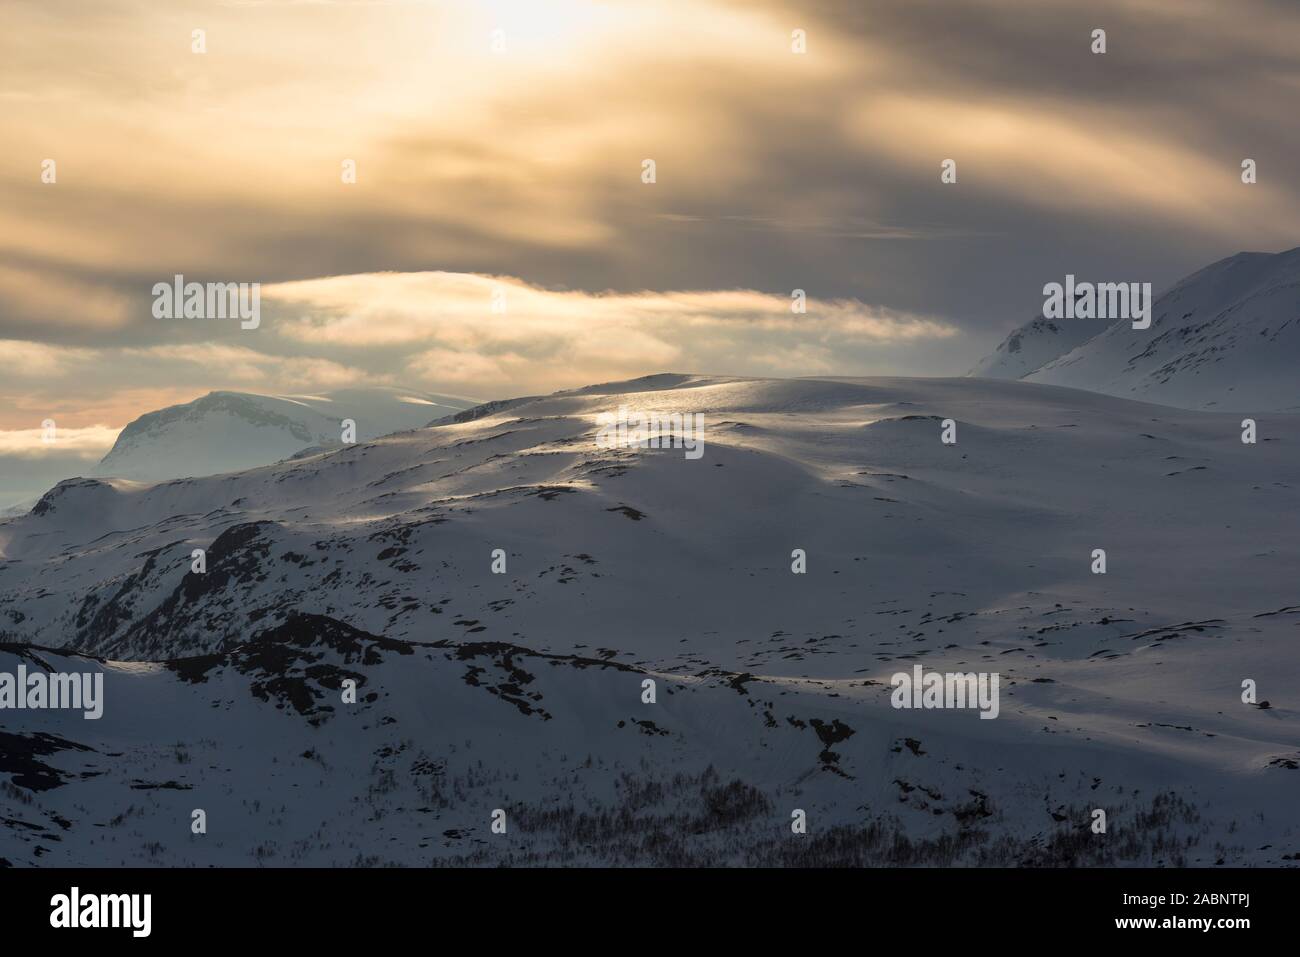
(231, 431)
(523, 690)
(1227, 337)
(1036, 343)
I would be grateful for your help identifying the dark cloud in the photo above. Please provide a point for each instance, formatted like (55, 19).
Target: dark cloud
(766, 179)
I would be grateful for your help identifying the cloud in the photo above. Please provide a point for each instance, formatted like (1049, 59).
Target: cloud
(89, 443)
(388, 308)
(79, 386)
(775, 171)
(52, 297)
(499, 333)
(39, 360)
(461, 152)
(1076, 159)
(442, 331)
(247, 365)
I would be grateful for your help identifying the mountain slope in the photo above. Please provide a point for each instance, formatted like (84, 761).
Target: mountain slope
(1035, 344)
(1227, 337)
(445, 732)
(523, 690)
(231, 431)
(381, 532)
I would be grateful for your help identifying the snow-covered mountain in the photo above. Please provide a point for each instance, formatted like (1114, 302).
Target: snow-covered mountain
(1226, 337)
(1036, 343)
(521, 687)
(232, 431)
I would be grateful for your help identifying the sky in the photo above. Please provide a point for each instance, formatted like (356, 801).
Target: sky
(500, 237)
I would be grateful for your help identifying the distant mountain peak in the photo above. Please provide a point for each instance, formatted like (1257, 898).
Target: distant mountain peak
(227, 431)
(1226, 337)
(1036, 343)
